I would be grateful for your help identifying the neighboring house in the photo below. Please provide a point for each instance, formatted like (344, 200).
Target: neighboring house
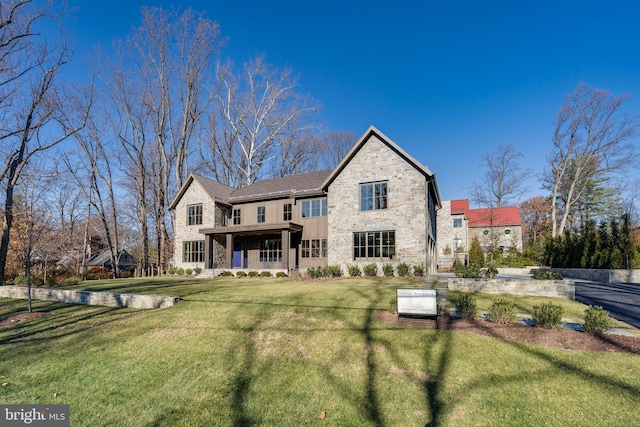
(495, 228)
(377, 206)
(103, 259)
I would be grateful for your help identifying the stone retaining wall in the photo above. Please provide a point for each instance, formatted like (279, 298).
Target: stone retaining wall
(110, 299)
(542, 288)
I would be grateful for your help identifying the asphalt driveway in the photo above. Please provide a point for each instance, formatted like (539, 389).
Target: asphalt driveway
(621, 300)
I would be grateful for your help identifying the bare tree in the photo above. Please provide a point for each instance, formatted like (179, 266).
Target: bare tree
(258, 110)
(591, 140)
(296, 153)
(503, 180)
(170, 55)
(37, 109)
(536, 220)
(335, 146)
(98, 184)
(35, 223)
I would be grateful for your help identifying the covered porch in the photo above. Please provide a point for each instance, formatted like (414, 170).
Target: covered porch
(253, 247)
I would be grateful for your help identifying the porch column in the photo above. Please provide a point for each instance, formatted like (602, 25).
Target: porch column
(228, 261)
(207, 251)
(286, 242)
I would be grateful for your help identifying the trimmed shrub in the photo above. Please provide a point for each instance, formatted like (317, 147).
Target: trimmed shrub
(370, 270)
(387, 270)
(502, 311)
(241, 274)
(547, 315)
(471, 271)
(22, 281)
(253, 273)
(70, 281)
(418, 270)
(404, 269)
(332, 271)
(465, 305)
(354, 270)
(226, 273)
(189, 271)
(266, 274)
(597, 320)
(315, 272)
(173, 271)
(546, 275)
(281, 274)
(197, 270)
(180, 271)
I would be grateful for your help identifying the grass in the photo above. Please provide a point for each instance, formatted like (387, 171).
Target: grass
(240, 352)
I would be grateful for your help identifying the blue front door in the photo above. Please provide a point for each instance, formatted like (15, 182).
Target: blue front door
(236, 261)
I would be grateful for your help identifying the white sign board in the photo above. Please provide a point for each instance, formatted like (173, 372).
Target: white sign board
(417, 301)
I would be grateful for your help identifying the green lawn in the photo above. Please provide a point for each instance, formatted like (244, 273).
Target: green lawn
(273, 352)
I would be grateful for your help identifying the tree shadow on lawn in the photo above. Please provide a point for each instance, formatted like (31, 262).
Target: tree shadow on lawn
(67, 320)
(602, 380)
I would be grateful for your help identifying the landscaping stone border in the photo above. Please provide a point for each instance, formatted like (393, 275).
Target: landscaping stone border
(110, 299)
(541, 288)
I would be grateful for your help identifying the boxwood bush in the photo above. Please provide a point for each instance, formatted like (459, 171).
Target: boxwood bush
(597, 320)
(547, 315)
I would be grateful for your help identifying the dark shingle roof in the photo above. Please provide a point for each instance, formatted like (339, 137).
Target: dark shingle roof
(294, 185)
(213, 188)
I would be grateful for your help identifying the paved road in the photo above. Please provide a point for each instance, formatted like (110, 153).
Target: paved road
(621, 300)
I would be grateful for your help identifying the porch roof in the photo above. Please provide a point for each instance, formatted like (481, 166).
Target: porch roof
(253, 228)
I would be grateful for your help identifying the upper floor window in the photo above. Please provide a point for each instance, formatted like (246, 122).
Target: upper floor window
(236, 216)
(261, 212)
(317, 207)
(373, 196)
(286, 216)
(457, 222)
(194, 214)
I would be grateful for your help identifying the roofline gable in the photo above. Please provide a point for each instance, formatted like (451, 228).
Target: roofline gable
(394, 147)
(193, 177)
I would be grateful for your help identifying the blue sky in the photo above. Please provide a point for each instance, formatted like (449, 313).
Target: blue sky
(448, 81)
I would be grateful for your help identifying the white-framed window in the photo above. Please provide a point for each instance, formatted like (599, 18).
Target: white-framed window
(457, 243)
(457, 222)
(373, 196)
(261, 214)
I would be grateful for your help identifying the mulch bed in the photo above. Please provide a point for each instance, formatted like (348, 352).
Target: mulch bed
(22, 318)
(562, 338)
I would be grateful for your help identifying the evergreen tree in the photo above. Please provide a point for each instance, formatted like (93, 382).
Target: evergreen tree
(476, 256)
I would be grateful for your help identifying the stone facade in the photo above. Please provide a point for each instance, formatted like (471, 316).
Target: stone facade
(452, 241)
(406, 214)
(184, 232)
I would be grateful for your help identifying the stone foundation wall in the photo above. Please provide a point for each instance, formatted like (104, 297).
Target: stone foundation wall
(542, 288)
(109, 299)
